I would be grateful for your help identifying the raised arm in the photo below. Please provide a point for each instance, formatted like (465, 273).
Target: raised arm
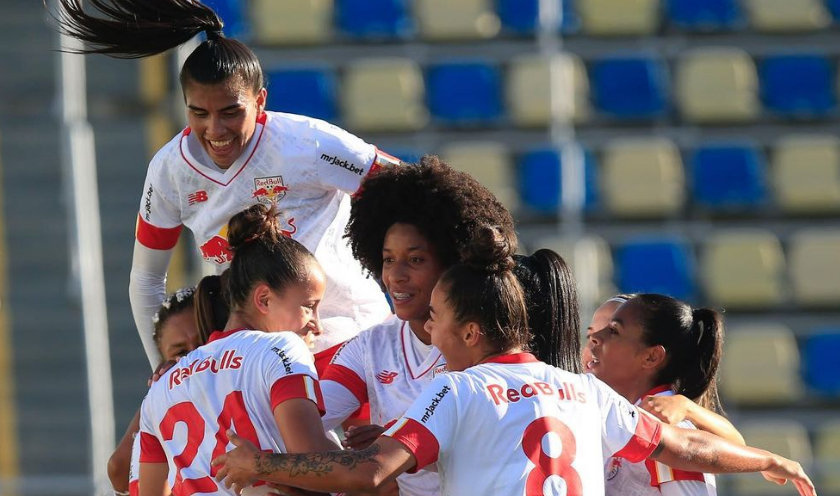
(146, 290)
(675, 409)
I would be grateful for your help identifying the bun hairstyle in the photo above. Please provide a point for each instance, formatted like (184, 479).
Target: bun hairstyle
(140, 28)
(212, 309)
(551, 297)
(483, 289)
(172, 305)
(693, 341)
(262, 253)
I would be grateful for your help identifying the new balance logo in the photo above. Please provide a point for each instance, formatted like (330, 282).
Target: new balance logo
(386, 377)
(199, 196)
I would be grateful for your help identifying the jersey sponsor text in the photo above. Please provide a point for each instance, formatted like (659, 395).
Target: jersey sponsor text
(566, 392)
(229, 361)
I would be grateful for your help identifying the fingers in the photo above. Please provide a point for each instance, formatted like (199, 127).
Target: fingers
(219, 460)
(233, 438)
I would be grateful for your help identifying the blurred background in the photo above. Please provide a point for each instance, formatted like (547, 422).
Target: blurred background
(688, 147)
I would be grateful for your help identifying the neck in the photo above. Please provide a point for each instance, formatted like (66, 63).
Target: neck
(487, 354)
(634, 392)
(422, 335)
(238, 320)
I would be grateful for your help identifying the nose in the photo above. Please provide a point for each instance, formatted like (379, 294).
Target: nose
(215, 128)
(427, 326)
(316, 325)
(398, 272)
(595, 338)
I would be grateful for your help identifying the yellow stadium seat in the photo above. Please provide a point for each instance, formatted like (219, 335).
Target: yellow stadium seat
(744, 269)
(788, 438)
(619, 17)
(490, 163)
(292, 22)
(442, 20)
(814, 258)
(643, 177)
(787, 15)
(384, 94)
(806, 174)
(529, 91)
(591, 262)
(827, 447)
(717, 85)
(760, 365)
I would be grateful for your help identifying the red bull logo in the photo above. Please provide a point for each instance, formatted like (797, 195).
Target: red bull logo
(269, 190)
(216, 249)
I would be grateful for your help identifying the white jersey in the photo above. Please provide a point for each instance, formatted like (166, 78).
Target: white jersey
(516, 426)
(389, 367)
(235, 381)
(651, 478)
(308, 168)
(134, 467)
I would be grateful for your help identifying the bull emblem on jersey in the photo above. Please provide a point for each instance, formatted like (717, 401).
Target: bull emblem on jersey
(217, 250)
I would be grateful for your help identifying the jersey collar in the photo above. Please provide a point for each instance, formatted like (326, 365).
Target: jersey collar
(217, 335)
(512, 358)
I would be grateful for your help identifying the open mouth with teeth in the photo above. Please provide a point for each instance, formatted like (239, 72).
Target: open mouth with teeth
(399, 296)
(592, 363)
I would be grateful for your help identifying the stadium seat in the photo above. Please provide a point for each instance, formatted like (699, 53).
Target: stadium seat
(465, 93)
(656, 265)
(591, 262)
(827, 451)
(729, 176)
(304, 91)
(529, 93)
(704, 15)
(760, 365)
(520, 17)
(386, 94)
(821, 367)
(374, 19)
(233, 15)
(834, 8)
(744, 269)
(806, 173)
(717, 85)
(642, 177)
(618, 17)
(787, 15)
(441, 20)
(629, 87)
(490, 163)
(814, 257)
(292, 22)
(540, 180)
(788, 438)
(797, 85)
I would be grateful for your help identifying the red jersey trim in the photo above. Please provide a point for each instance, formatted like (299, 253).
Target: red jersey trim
(156, 238)
(324, 357)
(151, 451)
(657, 390)
(261, 119)
(405, 356)
(419, 440)
(297, 386)
(662, 474)
(512, 358)
(134, 488)
(644, 441)
(349, 379)
(217, 335)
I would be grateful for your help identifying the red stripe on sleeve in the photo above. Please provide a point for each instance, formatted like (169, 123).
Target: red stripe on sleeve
(151, 451)
(156, 238)
(297, 386)
(134, 488)
(349, 379)
(323, 359)
(658, 478)
(419, 440)
(644, 441)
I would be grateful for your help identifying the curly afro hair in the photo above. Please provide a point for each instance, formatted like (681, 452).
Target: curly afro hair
(447, 206)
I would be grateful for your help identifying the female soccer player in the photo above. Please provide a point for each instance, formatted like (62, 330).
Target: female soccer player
(487, 422)
(407, 225)
(251, 377)
(234, 154)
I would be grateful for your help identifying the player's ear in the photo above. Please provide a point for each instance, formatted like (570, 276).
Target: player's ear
(261, 298)
(471, 333)
(655, 357)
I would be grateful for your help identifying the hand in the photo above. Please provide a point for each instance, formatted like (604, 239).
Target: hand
(161, 370)
(669, 409)
(788, 469)
(238, 466)
(361, 436)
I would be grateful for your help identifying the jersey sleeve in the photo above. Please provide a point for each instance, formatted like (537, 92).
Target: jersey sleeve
(341, 159)
(626, 431)
(678, 482)
(428, 425)
(290, 371)
(151, 449)
(134, 468)
(159, 220)
(348, 366)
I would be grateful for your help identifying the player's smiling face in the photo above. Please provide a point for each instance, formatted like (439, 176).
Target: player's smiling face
(600, 320)
(410, 270)
(179, 335)
(447, 333)
(223, 117)
(296, 307)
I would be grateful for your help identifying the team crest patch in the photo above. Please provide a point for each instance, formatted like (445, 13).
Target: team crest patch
(269, 190)
(615, 466)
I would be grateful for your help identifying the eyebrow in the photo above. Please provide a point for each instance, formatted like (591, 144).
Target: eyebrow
(229, 107)
(618, 321)
(410, 248)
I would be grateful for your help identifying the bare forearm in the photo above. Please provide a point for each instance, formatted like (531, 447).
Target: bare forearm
(709, 421)
(326, 471)
(699, 451)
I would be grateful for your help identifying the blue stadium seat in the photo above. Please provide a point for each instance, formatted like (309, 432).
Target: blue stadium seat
(629, 87)
(234, 15)
(820, 364)
(834, 7)
(704, 14)
(540, 180)
(519, 17)
(409, 155)
(465, 93)
(310, 92)
(375, 19)
(656, 265)
(797, 85)
(727, 176)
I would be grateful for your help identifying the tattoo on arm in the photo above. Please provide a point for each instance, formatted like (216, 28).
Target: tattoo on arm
(314, 463)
